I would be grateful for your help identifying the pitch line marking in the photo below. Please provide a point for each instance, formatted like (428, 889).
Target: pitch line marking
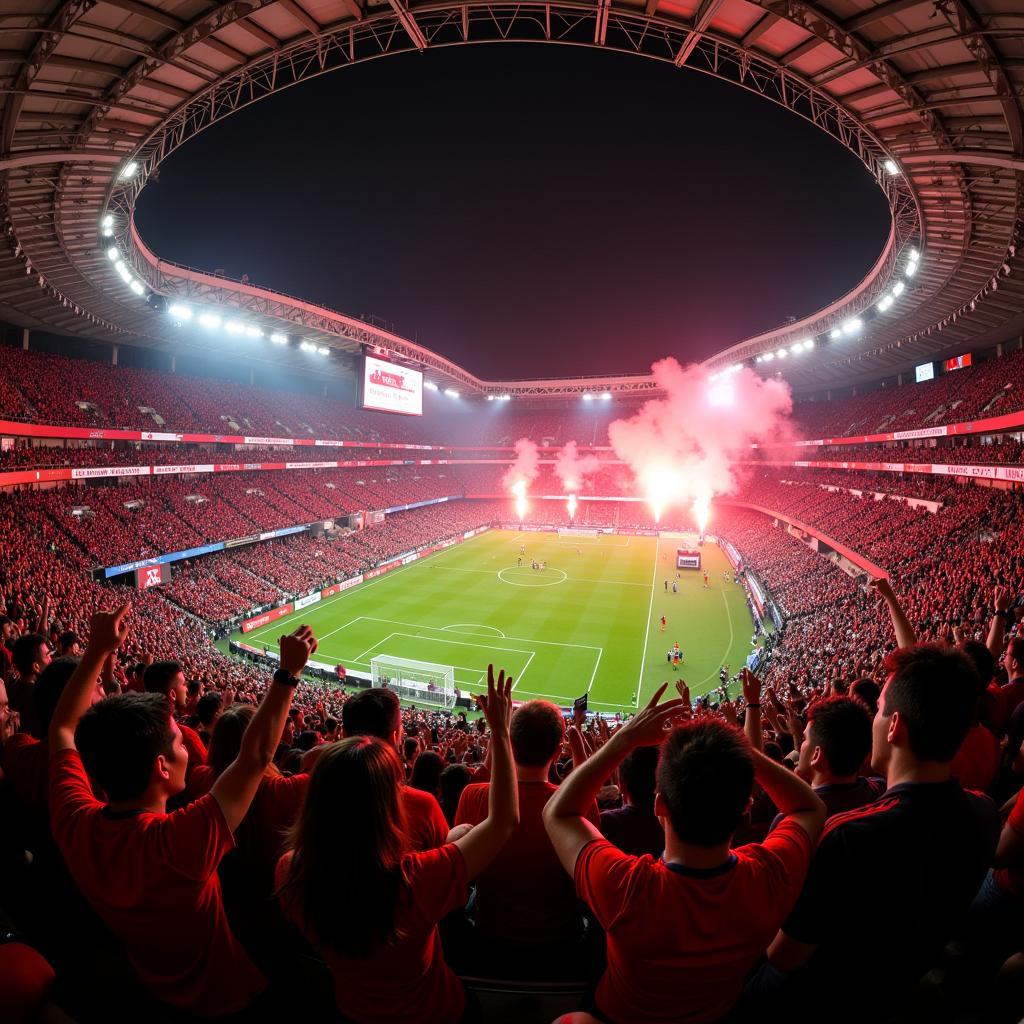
(531, 586)
(596, 666)
(359, 660)
(469, 632)
(569, 579)
(321, 639)
(647, 634)
(728, 612)
(520, 639)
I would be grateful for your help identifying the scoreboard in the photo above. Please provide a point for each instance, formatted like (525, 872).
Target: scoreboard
(687, 558)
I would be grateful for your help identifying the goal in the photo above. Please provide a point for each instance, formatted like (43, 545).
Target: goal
(577, 531)
(421, 681)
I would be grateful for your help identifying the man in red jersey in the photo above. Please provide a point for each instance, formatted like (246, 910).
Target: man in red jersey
(684, 930)
(377, 712)
(526, 912)
(168, 678)
(152, 876)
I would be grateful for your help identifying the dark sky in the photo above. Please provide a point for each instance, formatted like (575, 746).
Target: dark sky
(527, 210)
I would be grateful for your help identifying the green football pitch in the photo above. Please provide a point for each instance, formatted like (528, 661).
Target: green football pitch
(590, 622)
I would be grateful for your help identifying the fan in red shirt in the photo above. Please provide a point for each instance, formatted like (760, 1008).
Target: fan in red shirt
(168, 678)
(367, 902)
(152, 876)
(685, 930)
(525, 904)
(377, 712)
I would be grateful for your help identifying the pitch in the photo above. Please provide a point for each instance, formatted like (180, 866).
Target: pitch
(590, 622)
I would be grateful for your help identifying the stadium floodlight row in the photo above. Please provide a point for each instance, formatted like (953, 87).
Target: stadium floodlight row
(928, 108)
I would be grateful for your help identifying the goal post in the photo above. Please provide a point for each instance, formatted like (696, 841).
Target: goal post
(422, 681)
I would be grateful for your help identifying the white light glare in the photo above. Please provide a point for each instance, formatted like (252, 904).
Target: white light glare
(253, 332)
(107, 232)
(835, 333)
(112, 253)
(769, 356)
(606, 396)
(323, 350)
(122, 271)
(210, 320)
(808, 344)
(490, 398)
(129, 170)
(782, 353)
(179, 312)
(278, 338)
(891, 167)
(107, 222)
(853, 326)
(759, 359)
(914, 255)
(722, 395)
(885, 303)
(451, 392)
(504, 398)
(234, 327)
(430, 385)
(911, 269)
(307, 346)
(796, 349)
(587, 396)
(136, 286)
(897, 288)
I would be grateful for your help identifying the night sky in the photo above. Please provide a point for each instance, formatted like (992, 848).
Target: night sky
(527, 210)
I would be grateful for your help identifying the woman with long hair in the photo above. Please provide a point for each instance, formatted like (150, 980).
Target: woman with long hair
(426, 773)
(364, 900)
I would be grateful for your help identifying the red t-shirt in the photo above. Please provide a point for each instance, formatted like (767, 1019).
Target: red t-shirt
(407, 982)
(680, 943)
(428, 828)
(259, 840)
(977, 760)
(26, 767)
(524, 896)
(194, 745)
(1011, 879)
(153, 879)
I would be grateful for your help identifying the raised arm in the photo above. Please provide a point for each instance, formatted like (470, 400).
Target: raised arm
(752, 698)
(793, 797)
(484, 841)
(997, 628)
(905, 635)
(107, 631)
(236, 788)
(564, 819)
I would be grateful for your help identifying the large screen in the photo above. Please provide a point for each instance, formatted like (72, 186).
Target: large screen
(959, 362)
(387, 387)
(926, 371)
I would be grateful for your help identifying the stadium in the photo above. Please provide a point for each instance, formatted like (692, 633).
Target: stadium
(585, 649)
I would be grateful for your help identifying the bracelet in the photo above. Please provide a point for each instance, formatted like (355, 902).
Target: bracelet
(285, 678)
(757, 705)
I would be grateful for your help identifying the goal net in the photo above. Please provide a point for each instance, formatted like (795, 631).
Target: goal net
(421, 681)
(576, 531)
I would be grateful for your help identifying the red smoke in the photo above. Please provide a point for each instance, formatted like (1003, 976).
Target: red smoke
(573, 470)
(525, 468)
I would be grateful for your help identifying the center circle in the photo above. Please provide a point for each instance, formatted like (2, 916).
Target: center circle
(538, 577)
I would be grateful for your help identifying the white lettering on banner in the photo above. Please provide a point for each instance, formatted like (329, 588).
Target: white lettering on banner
(310, 465)
(908, 435)
(893, 467)
(988, 472)
(252, 465)
(268, 440)
(329, 444)
(151, 577)
(154, 435)
(1010, 473)
(305, 602)
(160, 470)
(108, 471)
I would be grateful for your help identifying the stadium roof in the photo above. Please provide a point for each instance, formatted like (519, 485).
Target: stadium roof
(927, 93)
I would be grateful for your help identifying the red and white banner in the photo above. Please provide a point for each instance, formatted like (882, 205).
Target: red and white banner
(264, 617)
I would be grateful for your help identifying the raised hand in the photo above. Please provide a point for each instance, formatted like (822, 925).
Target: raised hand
(882, 587)
(497, 703)
(728, 710)
(296, 649)
(1001, 598)
(751, 687)
(648, 727)
(107, 630)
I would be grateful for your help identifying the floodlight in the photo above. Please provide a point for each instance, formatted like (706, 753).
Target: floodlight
(852, 326)
(808, 344)
(897, 288)
(911, 269)
(122, 270)
(112, 253)
(430, 385)
(107, 222)
(796, 348)
(180, 312)
(891, 167)
(307, 346)
(781, 354)
(278, 338)
(129, 170)
(606, 396)
(451, 392)
(253, 332)
(137, 287)
(490, 398)
(323, 350)
(914, 255)
(587, 397)
(107, 232)
(234, 327)
(885, 303)
(835, 333)
(768, 356)
(210, 320)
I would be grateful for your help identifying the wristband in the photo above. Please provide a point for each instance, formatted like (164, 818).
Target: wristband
(1006, 616)
(285, 678)
(757, 705)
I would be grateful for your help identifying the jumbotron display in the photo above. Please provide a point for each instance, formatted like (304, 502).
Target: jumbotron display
(388, 387)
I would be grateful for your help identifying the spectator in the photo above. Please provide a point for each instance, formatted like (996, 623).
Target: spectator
(168, 678)
(150, 875)
(365, 899)
(525, 910)
(634, 828)
(68, 645)
(377, 712)
(684, 931)
(934, 839)
(208, 712)
(426, 774)
(31, 654)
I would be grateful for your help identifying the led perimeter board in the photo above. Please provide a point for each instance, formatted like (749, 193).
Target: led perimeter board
(387, 387)
(687, 558)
